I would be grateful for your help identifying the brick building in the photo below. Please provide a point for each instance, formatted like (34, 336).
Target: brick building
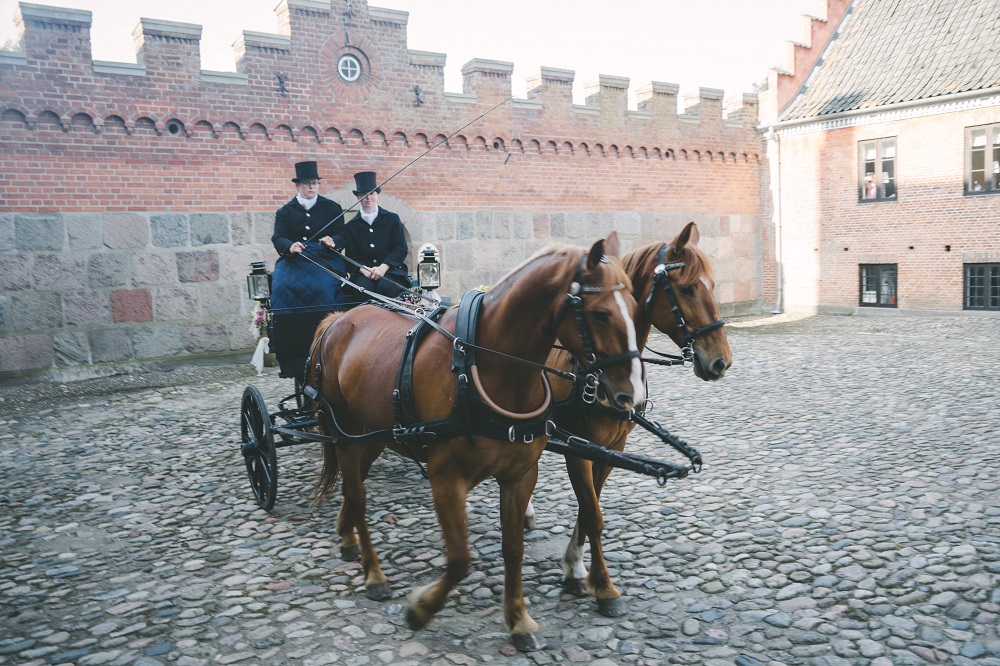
(134, 195)
(883, 150)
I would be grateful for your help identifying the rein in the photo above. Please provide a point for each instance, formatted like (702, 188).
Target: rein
(661, 278)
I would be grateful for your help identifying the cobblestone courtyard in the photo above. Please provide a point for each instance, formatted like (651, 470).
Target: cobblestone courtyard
(848, 513)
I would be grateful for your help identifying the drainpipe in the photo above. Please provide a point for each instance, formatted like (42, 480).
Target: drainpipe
(778, 263)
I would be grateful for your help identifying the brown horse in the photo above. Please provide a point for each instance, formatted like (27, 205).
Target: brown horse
(693, 292)
(359, 353)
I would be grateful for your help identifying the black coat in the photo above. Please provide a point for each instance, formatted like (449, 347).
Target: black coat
(294, 223)
(382, 242)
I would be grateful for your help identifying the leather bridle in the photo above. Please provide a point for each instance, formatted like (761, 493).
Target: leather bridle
(592, 366)
(661, 279)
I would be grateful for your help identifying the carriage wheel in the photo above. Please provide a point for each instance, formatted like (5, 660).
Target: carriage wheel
(259, 452)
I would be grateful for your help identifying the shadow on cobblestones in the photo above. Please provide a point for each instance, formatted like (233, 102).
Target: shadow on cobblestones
(848, 514)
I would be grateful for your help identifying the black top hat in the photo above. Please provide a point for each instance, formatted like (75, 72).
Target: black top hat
(365, 182)
(306, 171)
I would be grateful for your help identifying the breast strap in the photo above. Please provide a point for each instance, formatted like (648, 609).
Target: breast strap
(470, 415)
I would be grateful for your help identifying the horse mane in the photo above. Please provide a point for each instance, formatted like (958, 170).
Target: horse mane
(696, 262)
(556, 277)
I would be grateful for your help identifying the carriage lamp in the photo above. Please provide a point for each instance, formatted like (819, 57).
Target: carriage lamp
(429, 267)
(259, 282)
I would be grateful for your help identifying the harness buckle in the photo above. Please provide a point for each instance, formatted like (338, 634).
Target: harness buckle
(688, 352)
(458, 346)
(590, 389)
(528, 439)
(550, 428)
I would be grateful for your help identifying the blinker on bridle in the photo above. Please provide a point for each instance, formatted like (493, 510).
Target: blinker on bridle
(594, 367)
(661, 278)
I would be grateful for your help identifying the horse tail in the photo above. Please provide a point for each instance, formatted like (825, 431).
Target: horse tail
(331, 466)
(325, 324)
(329, 475)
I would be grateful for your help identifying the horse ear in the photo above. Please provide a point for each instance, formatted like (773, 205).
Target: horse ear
(596, 253)
(612, 247)
(688, 234)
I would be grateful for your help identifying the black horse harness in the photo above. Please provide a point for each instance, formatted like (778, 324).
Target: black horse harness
(581, 399)
(471, 414)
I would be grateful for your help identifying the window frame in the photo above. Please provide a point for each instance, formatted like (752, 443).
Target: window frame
(992, 185)
(879, 183)
(991, 286)
(355, 62)
(894, 302)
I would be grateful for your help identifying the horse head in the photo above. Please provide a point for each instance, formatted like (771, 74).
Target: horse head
(596, 324)
(679, 300)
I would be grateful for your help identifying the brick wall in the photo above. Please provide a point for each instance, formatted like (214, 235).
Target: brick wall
(133, 196)
(930, 231)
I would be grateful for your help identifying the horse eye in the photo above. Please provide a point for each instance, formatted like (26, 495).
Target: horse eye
(602, 318)
(687, 290)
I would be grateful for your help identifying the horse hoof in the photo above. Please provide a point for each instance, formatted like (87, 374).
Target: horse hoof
(350, 553)
(530, 523)
(613, 607)
(378, 592)
(574, 586)
(528, 642)
(414, 620)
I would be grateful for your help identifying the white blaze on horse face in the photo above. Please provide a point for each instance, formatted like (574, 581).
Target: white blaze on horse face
(638, 388)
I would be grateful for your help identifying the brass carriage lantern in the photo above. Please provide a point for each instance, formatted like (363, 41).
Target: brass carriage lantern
(259, 282)
(429, 267)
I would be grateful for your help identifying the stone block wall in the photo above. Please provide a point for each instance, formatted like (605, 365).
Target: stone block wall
(133, 195)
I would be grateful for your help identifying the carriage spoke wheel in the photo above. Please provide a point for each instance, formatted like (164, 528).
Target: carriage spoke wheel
(259, 452)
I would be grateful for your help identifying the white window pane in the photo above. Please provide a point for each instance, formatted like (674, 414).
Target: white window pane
(888, 151)
(979, 139)
(870, 152)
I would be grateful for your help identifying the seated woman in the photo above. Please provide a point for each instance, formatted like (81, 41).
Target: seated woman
(302, 292)
(374, 238)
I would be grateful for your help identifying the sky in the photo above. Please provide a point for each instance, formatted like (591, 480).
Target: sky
(727, 44)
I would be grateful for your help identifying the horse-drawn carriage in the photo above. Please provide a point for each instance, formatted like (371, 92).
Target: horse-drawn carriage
(466, 392)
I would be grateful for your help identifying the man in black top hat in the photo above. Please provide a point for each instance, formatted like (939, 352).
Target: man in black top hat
(309, 212)
(374, 238)
(302, 291)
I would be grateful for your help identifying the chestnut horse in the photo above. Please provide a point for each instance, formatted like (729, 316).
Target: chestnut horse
(359, 356)
(693, 287)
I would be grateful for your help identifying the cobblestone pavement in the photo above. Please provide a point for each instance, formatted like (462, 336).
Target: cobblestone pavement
(848, 513)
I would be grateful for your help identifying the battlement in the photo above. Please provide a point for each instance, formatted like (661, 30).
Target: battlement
(786, 82)
(276, 83)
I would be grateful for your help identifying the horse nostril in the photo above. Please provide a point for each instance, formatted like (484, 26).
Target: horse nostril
(719, 367)
(624, 401)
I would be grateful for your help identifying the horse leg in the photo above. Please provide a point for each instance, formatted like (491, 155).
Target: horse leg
(514, 497)
(589, 526)
(350, 551)
(449, 493)
(530, 523)
(609, 599)
(352, 517)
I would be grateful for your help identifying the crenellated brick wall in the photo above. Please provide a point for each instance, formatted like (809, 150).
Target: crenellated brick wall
(133, 196)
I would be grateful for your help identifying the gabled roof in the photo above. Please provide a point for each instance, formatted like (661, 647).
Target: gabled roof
(891, 51)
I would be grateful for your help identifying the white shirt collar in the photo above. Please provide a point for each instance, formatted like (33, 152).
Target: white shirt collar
(369, 217)
(307, 203)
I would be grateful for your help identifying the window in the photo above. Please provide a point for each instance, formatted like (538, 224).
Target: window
(877, 170)
(349, 68)
(982, 162)
(982, 287)
(878, 285)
